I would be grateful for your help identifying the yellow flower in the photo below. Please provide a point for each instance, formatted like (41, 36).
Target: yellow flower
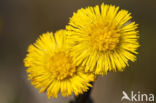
(104, 38)
(51, 67)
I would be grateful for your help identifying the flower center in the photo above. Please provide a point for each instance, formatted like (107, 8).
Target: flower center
(104, 37)
(61, 66)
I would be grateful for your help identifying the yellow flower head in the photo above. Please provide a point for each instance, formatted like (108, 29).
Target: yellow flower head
(104, 38)
(51, 67)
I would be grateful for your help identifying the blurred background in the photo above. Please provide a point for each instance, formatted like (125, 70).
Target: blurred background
(22, 21)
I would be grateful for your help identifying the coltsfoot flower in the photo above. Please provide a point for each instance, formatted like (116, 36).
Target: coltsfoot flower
(104, 38)
(51, 68)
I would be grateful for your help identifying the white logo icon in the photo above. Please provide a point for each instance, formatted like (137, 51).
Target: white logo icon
(125, 96)
(137, 97)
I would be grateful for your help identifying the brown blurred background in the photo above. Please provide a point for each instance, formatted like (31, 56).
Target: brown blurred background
(22, 21)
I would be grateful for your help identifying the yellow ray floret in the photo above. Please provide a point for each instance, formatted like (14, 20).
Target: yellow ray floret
(51, 68)
(104, 38)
